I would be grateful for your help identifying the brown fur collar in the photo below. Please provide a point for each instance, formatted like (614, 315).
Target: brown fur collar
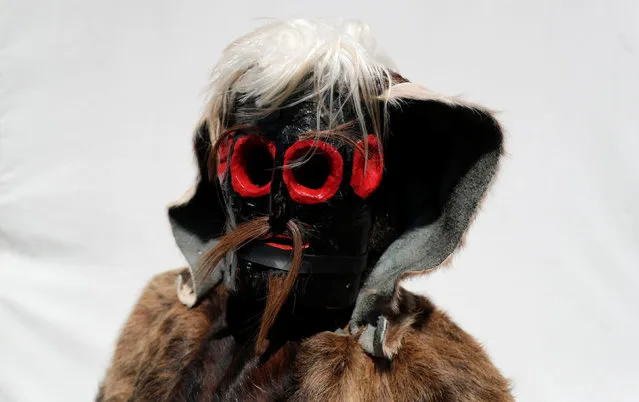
(167, 352)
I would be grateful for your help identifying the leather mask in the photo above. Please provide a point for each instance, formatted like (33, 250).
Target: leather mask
(277, 167)
(406, 214)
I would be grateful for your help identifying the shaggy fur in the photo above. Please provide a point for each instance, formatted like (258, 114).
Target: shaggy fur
(167, 352)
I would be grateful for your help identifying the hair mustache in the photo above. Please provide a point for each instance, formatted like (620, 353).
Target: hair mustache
(279, 287)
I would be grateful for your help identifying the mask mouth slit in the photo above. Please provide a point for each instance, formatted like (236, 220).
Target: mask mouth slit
(282, 242)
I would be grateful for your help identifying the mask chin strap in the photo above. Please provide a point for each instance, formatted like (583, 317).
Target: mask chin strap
(275, 258)
(327, 281)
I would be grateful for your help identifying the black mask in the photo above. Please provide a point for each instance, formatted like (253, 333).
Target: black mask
(272, 169)
(439, 156)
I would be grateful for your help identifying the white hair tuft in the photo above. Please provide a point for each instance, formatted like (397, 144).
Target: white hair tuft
(335, 63)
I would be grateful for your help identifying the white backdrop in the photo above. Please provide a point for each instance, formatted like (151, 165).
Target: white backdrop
(98, 100)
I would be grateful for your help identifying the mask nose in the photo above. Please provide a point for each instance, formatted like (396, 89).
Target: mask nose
(278, 206)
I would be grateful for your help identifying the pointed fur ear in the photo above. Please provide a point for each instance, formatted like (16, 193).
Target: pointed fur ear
(197, 220)
(440, 157)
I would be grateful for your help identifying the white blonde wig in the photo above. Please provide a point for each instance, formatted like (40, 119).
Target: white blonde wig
(335, 64)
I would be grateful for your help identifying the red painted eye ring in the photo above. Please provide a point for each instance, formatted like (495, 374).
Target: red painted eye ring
(365, 182)
(223, 156)
(306, 195)
(240, 179)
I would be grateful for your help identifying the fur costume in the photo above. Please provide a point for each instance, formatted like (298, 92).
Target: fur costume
(325, 177)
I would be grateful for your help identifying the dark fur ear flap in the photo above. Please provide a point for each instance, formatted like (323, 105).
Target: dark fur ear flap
(440, 157)
(197, 221)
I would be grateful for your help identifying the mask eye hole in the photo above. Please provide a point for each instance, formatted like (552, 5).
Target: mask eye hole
(252, 166)
(367, 172)
(313, 171)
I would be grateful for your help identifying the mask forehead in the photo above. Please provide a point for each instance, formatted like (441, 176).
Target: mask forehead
(286, 124)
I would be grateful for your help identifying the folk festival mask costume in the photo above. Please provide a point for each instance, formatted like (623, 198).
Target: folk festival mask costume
(325, 177)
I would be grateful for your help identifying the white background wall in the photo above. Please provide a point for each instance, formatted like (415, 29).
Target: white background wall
(98, 100)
